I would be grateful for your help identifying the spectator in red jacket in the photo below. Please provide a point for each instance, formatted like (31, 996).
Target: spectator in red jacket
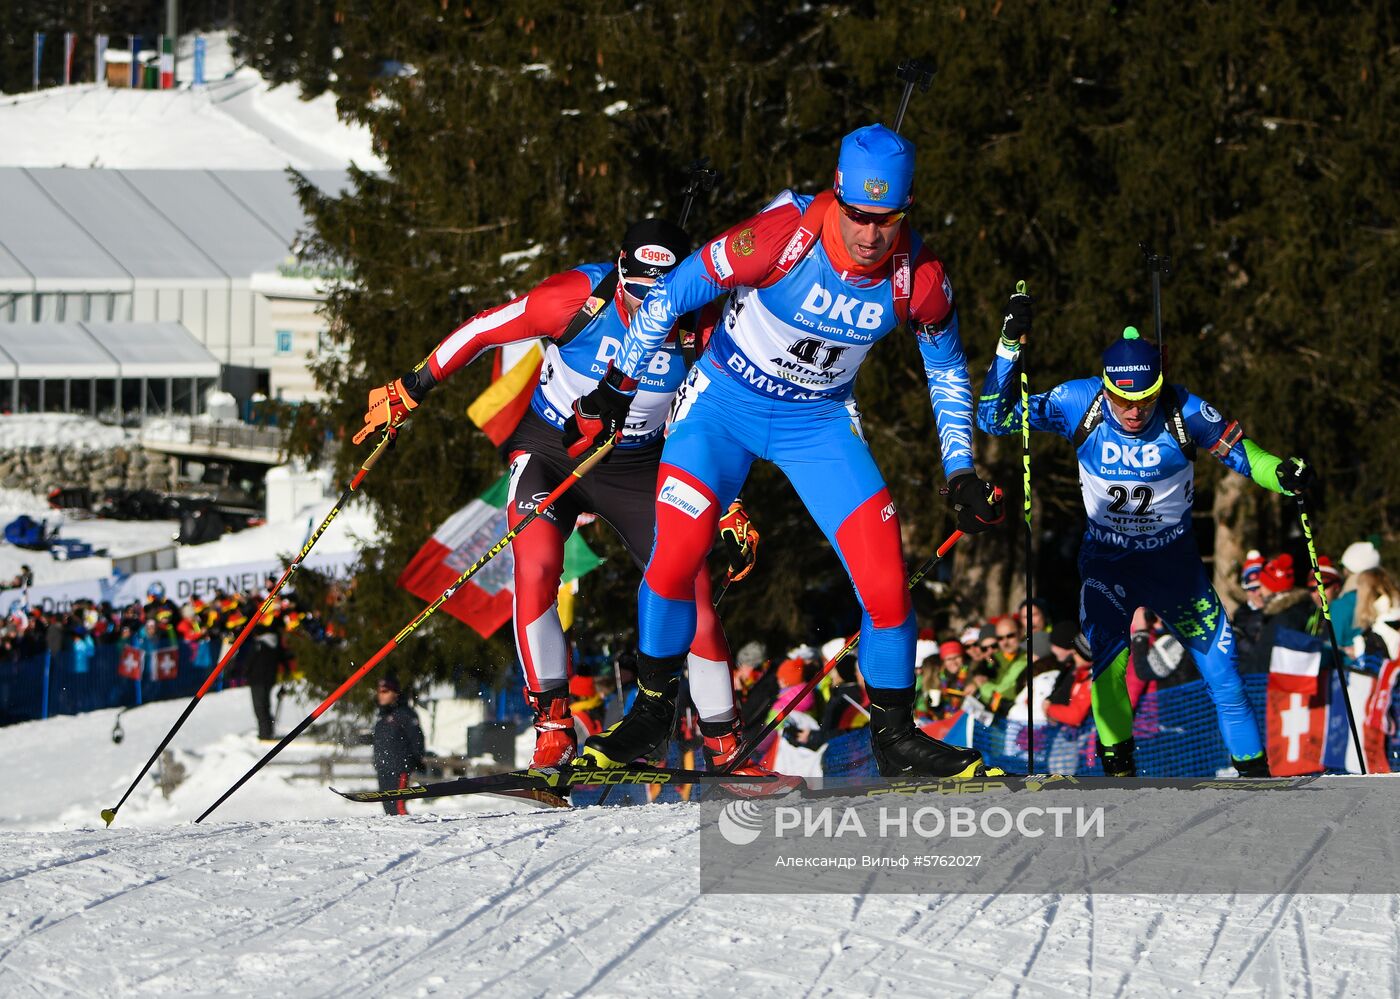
(1070, 701)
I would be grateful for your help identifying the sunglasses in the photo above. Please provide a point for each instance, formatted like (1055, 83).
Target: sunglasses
(987, 646)
(881, 219)
(637, 290)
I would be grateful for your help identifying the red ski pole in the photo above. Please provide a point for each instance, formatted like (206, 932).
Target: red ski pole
(747, 750)
(390, 433)
(422, 616)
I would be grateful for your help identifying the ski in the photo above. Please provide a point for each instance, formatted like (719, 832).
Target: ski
(1059, 782)
(558, 782)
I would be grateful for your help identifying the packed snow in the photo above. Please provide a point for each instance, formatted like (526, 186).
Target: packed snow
(236, 121)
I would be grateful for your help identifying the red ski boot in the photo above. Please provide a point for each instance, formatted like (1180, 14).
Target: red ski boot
(722, 746)
(556, 744)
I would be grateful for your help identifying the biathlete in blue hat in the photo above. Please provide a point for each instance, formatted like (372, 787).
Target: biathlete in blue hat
(815, 282)
(1136, 439)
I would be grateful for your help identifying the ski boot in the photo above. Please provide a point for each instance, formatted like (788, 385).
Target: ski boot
(647, 724)
(1253, 766)
(1118, 759)
(721, 741)
(902, 752)
(556, 744)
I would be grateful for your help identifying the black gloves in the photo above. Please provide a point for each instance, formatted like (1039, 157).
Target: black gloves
(1295, 476)
(1016, 323)
(978, 503)
(600, 415)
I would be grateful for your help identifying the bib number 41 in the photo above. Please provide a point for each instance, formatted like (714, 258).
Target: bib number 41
(810, 350)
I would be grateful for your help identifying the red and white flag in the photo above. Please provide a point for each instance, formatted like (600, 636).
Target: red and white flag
(1296, 707)
(131, 662)
(167, 663)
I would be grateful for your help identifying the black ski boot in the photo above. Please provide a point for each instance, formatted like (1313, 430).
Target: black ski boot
(647, 724)
(1255, 766)
(902, 752)
(1118, 759)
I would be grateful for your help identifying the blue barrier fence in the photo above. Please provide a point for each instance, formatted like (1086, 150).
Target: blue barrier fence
(1175, 730)
(69, 683)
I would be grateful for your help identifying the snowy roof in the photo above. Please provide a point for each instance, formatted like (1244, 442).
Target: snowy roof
(101, 230)
(102, 350)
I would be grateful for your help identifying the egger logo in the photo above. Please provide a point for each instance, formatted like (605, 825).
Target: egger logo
(653, 254)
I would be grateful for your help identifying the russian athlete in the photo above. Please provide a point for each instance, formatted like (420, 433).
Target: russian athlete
(584, 314)
(1136, 440)
(815, 282)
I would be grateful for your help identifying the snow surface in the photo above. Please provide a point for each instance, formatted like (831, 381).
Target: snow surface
(237, 121)
(289, 884)
(82, 433)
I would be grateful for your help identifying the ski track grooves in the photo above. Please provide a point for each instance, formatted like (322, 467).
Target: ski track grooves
(606, 901)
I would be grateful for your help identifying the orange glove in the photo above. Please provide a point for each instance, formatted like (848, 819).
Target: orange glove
(740, 539)
(389, 404)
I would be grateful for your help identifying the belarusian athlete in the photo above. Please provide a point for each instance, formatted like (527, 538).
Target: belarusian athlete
(584, 313)
(816, 281)
(1136, 439)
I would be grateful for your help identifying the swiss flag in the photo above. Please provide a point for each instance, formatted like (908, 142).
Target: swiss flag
(1297, 731)
(1296, 705)
(167, 663)
(130, 663)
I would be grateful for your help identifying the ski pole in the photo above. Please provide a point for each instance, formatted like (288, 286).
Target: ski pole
(702, 178)
(1337, 663)
(393, 643)
(390, 434)
(914, 73)
(748, 748)
(1030, 573)
(1160, 266)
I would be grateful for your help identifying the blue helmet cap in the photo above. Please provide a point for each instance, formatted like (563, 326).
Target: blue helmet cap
(875, 168)
(1132, 366)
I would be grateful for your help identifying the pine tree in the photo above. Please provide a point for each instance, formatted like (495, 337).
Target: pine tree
(1256, 145)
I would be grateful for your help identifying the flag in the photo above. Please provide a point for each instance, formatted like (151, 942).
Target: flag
(484, 602)
(1340, 750)
(101, 57)
(70, 45)
(1296, 705)
(514, 373)
(1380, 726)
(200, 47)
(131, 662)
(1295, 661)
(38, 55)
(167, 663)
(167, 63)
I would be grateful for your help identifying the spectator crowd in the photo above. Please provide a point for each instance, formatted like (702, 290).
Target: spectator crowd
(1001, 668)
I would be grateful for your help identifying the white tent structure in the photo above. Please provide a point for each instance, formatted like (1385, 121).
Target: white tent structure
(151, 247)
(99, 367)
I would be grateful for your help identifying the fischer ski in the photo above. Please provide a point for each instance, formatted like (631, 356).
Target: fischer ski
(559, 782)
(1059, 782)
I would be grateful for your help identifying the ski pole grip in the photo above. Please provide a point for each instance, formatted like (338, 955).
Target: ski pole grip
(587, 464)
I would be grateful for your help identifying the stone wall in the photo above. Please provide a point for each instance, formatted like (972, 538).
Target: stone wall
(39, 469)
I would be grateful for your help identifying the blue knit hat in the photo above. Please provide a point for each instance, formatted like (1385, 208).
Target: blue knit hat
(875, 168)
(1132, 366)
